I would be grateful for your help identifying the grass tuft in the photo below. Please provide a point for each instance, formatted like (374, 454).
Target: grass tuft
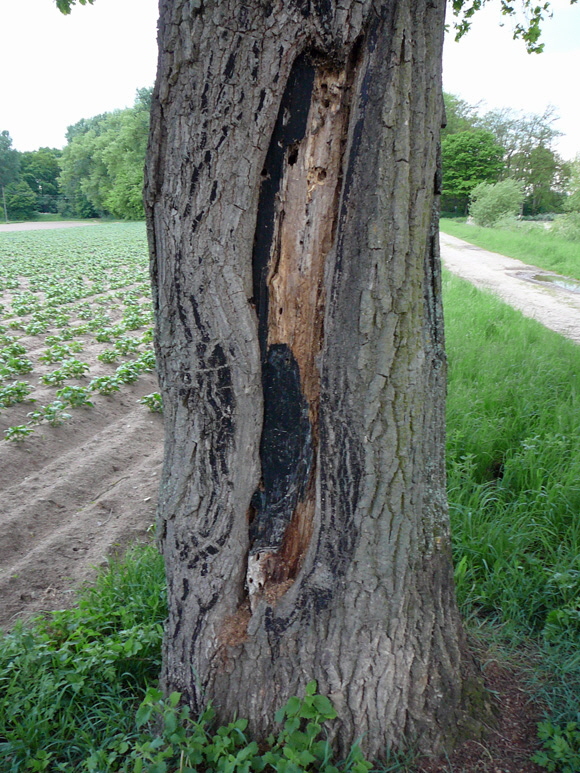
(72, 681)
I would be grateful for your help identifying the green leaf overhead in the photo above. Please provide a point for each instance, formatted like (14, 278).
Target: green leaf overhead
(527, 15)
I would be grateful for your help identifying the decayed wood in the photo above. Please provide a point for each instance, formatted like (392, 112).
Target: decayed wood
(342, 238)
(305, 224)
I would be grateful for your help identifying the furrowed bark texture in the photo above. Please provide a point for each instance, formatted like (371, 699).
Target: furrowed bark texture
(290, 194)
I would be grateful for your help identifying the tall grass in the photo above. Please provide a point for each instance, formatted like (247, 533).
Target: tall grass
(71, 683)
(529, 242)
(513, 454)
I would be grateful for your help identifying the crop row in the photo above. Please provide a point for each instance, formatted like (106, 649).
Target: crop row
(74, 305)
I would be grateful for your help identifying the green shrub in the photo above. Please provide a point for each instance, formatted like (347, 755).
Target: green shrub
(567, 227)
(490, 203)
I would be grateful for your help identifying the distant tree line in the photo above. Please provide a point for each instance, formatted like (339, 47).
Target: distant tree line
(99, 172)
(502, 145)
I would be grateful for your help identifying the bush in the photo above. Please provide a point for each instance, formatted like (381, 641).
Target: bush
(567, 227)
(20, 201)
(490, 203)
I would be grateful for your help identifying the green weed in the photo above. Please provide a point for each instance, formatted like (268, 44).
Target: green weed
(561, 750)
(513, 464)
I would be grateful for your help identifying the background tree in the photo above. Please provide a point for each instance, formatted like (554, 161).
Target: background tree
(102, 164)
(544, 178)
(21, 201)
(40, 170)
(469, 158)
(568, 225)
(460, 116)
(528, 155)
(9, 166)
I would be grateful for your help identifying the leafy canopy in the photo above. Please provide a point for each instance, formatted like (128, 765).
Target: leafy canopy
(9, 161)
(469, 158)
(65, 6)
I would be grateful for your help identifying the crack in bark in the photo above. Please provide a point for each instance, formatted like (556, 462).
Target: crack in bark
(296, 225)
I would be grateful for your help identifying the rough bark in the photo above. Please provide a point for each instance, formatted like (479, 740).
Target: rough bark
(290, 193)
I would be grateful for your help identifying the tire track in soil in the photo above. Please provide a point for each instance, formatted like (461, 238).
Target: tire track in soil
(72, 495)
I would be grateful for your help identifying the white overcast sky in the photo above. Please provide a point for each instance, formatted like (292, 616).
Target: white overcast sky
(58, 69)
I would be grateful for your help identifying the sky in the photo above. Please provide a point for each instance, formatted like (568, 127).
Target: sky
(488, 66)
(58, 69)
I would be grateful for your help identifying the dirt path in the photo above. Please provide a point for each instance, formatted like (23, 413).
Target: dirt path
(32, 226)
(556, 308)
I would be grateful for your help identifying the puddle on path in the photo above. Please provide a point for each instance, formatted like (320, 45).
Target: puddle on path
(551, 280)
(560, 281)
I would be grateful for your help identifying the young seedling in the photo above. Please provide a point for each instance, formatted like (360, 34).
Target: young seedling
(74, 368)
(17, 364)
(55, 378)
(104, 336)
(36, 328)
(109, 355)
(54, 413)
(17, 392)
(105, 385)
(59, 352)
(146, 361)
(127, 345)
(18, 432)
(75, 396)
(12, 349)
(153, 401)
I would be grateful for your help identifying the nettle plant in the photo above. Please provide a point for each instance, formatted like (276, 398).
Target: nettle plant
(171, 740)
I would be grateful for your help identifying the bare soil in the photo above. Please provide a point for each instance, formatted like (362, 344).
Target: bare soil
(73, 495)
(84, 490)
(508, 746)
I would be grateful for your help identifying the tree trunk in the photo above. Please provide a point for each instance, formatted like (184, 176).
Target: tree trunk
(292, 213)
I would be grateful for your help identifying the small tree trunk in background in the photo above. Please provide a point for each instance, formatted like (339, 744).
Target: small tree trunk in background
(290, 193)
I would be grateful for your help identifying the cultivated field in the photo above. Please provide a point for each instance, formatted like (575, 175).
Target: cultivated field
(80, 451)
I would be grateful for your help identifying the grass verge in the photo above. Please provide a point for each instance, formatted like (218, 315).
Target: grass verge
(70, 683)
(513, 456)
